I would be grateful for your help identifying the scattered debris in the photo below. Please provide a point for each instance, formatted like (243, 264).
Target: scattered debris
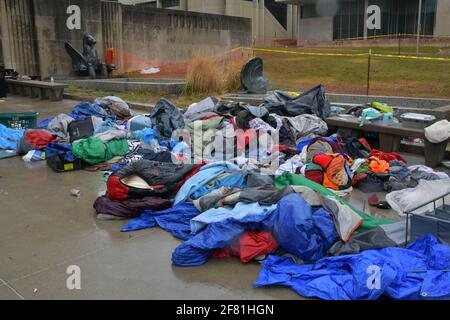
(75, 193)
(150, 71)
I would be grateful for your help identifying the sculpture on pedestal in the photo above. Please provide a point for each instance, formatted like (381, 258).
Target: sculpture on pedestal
(88, 63)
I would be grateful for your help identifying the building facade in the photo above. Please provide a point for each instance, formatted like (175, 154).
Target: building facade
(272, 20)
(324, 20)
(33, 33)
(343, 19)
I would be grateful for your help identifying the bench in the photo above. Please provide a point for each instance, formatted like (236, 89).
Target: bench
(37, 89)
(390, 136)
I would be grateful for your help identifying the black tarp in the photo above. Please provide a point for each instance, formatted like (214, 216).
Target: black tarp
(312, 101)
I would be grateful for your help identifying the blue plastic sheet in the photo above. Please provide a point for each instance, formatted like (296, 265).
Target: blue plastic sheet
(418, 272)
(175, 220)
(43, 124)
(305, 142)
(298, 229)
(9, 137)
(64, 150)
(206, 174)
(85, 109)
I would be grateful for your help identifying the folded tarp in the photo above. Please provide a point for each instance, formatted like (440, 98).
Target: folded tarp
(421, 271)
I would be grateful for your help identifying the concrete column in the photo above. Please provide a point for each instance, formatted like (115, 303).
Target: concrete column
(294, 22)
(299, 24)
(255, 21)
(366, 5)
(442, 26)
(289, 21)
(184, 5)
(159, 3)
(112, 29)
(262, 8)
(18, 36)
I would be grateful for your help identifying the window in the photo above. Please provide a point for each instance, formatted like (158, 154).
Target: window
(349, 20)
(400, 17)
(170, 3)
(278, 10)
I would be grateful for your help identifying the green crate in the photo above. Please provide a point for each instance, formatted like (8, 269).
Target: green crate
(16, 120)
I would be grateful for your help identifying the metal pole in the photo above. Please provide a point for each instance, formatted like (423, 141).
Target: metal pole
(368, 71)
(419, 27)
(399, 50)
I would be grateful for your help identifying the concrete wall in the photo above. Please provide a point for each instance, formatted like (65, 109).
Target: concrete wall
(316, 29)
(442, 27)
(52, 32)
(18, 36)
(34, 32)
(264, 25)
(1, 48)
(175, 35)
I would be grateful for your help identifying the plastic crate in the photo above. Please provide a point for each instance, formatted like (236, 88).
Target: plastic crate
(14, 120)
(59, 164)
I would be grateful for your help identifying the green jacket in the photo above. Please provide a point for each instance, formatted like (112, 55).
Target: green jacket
(94, 150)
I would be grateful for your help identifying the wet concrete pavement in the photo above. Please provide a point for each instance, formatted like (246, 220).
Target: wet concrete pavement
(43, 230)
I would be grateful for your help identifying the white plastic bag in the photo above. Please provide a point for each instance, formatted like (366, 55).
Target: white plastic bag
(405, 200)
(438, 132)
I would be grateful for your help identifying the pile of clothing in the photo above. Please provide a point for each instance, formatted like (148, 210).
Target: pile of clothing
(276, 201)
(262, 183)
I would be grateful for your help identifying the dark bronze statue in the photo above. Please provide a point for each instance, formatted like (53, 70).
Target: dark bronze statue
(88, 63)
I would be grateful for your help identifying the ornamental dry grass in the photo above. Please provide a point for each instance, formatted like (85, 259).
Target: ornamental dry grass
(214, 76)
(204, 75)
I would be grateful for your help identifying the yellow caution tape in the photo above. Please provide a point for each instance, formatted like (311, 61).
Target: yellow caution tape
(312, 53)
(394, 36)
(364, 54)
(408, 57)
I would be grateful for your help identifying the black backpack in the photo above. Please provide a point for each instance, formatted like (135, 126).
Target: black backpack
(80, 129)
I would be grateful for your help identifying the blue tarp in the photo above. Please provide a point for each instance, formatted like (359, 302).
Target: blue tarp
(206, 174)
(296, 226)
(175, 220)
(64, 150)
(9, 137)
(85, 109)
(43, 124)
(305, 142)
(418, 272)
(240, 211)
